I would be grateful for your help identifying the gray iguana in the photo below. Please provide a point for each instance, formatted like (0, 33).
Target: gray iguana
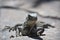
(31, 27)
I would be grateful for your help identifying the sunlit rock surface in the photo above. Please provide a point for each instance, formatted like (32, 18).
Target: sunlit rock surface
(12, 17)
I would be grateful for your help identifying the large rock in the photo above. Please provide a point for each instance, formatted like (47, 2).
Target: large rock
(11, 17)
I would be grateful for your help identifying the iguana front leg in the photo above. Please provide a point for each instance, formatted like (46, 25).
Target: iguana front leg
(47, 25)
(5, 28)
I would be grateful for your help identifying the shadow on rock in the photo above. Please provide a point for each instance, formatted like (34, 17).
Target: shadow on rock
(38, 2)
(36, 37)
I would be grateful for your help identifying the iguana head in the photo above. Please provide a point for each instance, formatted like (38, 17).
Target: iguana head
(32, 18)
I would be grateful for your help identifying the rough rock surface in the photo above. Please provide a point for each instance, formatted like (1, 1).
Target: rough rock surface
(11, 17)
